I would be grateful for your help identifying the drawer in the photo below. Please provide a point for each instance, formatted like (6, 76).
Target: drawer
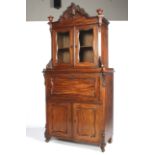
(79, 87)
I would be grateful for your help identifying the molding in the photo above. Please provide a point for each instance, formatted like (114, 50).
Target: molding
(52, 84)
(73, 11)
(103, 80)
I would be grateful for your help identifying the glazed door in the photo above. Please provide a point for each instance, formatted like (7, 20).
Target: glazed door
(86, 46)
(86, 122)
(62, 47)
(60, 119)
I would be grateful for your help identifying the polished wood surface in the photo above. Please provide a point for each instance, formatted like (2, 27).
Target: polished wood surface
(86, 122)
(78, 81)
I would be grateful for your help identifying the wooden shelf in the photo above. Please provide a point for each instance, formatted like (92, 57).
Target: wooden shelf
(86, 46)
(63, 49)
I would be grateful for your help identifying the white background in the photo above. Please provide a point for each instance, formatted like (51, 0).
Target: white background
(24, 52)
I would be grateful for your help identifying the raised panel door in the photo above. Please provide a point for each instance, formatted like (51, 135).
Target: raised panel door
(86, 122)
(60, 119)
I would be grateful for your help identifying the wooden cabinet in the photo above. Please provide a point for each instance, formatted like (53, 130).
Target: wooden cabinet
(78, 81)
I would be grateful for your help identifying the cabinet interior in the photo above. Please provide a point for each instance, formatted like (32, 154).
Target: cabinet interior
(63, 44)
(86, 46)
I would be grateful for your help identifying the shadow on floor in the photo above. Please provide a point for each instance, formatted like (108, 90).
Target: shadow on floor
(36, 133)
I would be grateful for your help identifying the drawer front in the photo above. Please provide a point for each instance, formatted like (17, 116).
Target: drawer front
(76, 86)
(81, 87)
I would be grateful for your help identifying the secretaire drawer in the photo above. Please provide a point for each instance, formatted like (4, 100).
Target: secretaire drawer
(79, 87)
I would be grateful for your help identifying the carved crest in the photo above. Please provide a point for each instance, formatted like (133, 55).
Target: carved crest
(73, 11)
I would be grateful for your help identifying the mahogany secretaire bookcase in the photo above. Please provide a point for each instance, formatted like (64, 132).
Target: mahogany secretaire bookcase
(78, 81)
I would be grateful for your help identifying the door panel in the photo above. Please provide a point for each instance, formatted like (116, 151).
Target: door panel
(62, 47)
(86, 46)
(86, 122)
(60, 119)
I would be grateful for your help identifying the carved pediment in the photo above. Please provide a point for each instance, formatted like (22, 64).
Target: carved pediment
(73, 11)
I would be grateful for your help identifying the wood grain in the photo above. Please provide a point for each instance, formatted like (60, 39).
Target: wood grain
(79, 93)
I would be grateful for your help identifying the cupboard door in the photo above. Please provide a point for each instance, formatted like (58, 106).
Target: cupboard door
(60, 119)
(86, 122)
(62, 47)
(86, 46)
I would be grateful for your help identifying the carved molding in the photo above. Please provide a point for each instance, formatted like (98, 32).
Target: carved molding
(73, 11)
(52, 84)
(103, 80)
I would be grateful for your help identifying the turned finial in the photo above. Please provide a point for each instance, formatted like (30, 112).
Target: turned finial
(50, 19)
(99, 11)
(100, 15)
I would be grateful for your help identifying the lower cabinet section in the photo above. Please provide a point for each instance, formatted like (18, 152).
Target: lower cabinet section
(74, 121)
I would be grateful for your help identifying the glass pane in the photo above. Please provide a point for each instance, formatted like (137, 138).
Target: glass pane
(63, 40)
(63, 53)
(86, 53)
(63, 56)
